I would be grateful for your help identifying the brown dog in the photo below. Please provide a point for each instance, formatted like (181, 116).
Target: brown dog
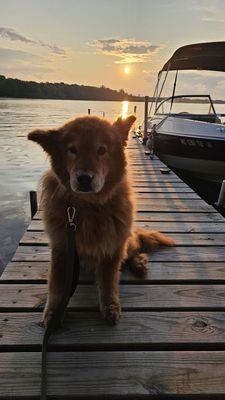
(88, 171)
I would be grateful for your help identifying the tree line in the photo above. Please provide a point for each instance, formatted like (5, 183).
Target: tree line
(10, 87)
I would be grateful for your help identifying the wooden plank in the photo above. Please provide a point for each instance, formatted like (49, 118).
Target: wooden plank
(146, 165)
(161, 328)
(105, 374)
(179, 217)
(29, 297)
(154, 216)
(173, 205)
(162, 189)
(161, 180)
(141, 157)
(146, 198)
(136, 157)
(25, 271)
(155, 178)
(181, 205)
(33, 271)
(183, 227)
(182, 253)
(173, 195)
(148, 169)
(152, 193)
(156, 194)
(190, 239)
(159, 184)
(150, 174)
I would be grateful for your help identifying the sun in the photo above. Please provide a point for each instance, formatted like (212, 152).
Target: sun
(126, 69)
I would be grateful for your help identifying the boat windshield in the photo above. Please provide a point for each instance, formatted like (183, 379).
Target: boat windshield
(187, 104)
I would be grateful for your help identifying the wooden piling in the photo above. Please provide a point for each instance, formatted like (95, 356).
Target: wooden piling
(33, 203)
(146, 121)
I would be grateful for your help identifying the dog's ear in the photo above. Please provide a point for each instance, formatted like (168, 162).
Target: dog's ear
(47, 139)
(123, 126)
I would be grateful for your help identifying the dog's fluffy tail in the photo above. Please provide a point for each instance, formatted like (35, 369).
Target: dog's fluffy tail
(151, 239)
(144, 241)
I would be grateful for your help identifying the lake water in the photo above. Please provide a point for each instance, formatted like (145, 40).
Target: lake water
(23, 162)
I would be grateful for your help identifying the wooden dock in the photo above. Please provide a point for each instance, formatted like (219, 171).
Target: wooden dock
(170, 342)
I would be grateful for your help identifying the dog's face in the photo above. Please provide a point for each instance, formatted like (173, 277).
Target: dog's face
(87, 153)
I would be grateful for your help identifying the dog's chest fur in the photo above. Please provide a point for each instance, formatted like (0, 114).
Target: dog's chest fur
(102, 230)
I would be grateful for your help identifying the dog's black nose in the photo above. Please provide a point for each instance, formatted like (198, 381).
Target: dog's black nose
(84, 179)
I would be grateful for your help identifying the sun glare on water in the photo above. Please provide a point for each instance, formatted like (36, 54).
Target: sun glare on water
(125, 107)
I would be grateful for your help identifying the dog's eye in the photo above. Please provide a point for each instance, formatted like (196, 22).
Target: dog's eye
(72, 150)
(101, 150)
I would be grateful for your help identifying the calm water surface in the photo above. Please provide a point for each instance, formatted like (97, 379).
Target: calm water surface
(22, 162)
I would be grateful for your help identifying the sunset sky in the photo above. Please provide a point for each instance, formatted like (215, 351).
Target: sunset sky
(116, 43)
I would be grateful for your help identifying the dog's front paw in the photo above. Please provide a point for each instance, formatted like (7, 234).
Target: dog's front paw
(47, 317)
(111, 312)
(50, 316)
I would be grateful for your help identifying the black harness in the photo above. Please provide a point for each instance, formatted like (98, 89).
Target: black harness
(71, 281)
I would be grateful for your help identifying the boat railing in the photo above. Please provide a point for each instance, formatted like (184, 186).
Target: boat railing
(174, 99)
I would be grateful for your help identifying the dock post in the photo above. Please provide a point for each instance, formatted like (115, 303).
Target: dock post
(145, 137)
(221, 200)
(33, 203)
(89, 111)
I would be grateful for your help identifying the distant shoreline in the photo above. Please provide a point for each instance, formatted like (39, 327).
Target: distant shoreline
(140, 100)
(16, 88)
(50, 98)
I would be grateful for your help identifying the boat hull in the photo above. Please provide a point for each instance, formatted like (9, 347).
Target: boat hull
(196, 148)
(202, 158)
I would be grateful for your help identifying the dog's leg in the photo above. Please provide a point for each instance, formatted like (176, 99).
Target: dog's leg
(56, 281)
(107, 279)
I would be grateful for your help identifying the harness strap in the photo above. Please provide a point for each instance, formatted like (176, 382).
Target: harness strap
(71, 281)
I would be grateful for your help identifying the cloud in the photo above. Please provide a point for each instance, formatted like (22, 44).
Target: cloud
(215, 18)
(210, 11)
(125, 50)
(22, 64)
(10, 55)
(12, 35)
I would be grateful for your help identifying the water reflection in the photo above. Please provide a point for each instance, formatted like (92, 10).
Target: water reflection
(125, 108)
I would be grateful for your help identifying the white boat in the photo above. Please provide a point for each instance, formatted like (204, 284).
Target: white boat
(186, 141)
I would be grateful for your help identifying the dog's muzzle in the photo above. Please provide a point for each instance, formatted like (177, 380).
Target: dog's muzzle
(84, 180)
